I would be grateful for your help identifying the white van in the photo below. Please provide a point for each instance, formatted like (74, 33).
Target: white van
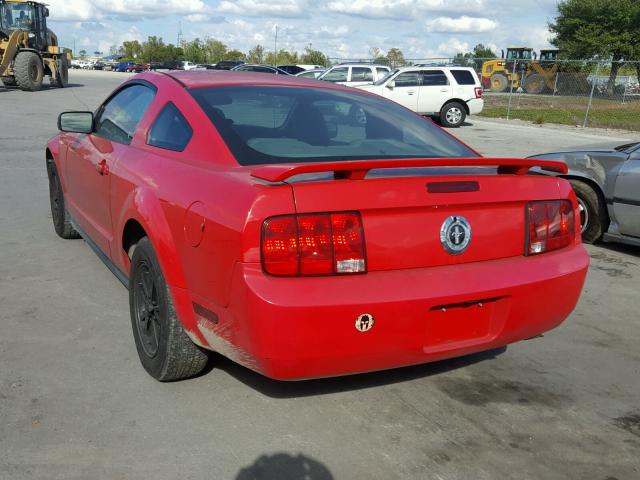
(448, 94)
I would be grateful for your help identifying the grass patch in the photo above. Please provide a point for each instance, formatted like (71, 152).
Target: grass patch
(604, 113)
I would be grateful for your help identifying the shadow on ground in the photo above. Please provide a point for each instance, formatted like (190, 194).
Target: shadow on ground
(323, 386)
(283, 466)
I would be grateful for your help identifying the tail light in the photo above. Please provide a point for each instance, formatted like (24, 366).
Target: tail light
(551, 226)
(313, 244)
(479, 92)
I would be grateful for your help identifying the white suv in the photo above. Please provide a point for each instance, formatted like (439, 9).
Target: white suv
(448, 94)
(355, 74)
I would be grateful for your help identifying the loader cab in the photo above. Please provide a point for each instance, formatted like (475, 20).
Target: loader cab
(25, 16)
(549, 56)
(519, 54)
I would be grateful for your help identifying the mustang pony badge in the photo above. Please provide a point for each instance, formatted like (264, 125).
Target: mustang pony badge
(455, 234)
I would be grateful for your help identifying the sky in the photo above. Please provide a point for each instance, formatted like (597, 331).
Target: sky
(339, 28)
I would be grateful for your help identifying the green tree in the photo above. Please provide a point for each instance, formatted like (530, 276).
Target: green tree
(83, 54)
(284, 57)
(480, 51)
(395, 57)
(598, 29)
(215, 50)
(130, 49)
(195, 51)
(234, 55)
(313, 57)
(256, 54)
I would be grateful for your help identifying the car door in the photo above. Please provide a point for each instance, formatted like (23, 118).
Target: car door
(626, 200)
(90, 157)
(435, 91)
(404, 88)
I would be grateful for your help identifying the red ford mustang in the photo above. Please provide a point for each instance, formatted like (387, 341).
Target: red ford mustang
(305, 229)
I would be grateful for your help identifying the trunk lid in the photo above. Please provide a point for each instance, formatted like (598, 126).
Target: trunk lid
(403, 211)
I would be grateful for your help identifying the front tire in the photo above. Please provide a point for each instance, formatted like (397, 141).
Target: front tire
(29, 71)
(452, 115)
(59, 215)
(499, 83)
(165, 350)
(61, 80)
(594, 219)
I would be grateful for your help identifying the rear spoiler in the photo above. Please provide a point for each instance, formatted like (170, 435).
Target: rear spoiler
(357, 170)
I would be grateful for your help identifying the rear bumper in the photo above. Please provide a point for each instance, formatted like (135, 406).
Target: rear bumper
(295, 328)
(475, 105)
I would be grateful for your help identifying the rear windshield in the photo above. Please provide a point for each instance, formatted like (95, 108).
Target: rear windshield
(272, 124)
(463, 77)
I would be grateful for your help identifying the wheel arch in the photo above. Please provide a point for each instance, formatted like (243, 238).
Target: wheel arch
(457, 100)
(142, 216)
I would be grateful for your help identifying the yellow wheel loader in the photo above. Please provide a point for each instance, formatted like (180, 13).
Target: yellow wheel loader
(29, 51)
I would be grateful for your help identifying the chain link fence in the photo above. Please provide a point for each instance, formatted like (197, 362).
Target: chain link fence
(570, 92)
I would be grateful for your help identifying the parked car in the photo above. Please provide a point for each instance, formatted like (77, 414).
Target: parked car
(247, 215)
(122, 66)
(259, 69)
(228, 64)
(186, 65)
(98, 66)
(167, 65)
(310, 73)
(448, 94)
(606, 181)
(291, 69)
(354, 75)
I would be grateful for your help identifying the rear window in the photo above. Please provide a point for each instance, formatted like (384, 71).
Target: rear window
(434, 78)
(272, 124)
(336, 75)
(463, 77)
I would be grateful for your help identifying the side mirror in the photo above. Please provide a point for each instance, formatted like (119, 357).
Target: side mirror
(75, 122)
(46, 12)
(391, 85)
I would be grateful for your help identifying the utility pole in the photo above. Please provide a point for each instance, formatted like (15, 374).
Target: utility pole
(180, 39)
(275, 49)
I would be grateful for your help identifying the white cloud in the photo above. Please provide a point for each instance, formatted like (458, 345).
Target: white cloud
(85, 10)
(399, 9)
(462, 24)
(258, 8)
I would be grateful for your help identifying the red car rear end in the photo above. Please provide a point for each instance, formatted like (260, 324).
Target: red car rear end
(308, 230)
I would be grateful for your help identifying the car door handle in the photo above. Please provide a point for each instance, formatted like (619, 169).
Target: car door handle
(103, 168)
(444, 89)
(411, 92)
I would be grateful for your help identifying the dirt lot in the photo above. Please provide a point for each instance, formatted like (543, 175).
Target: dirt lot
(76, 404)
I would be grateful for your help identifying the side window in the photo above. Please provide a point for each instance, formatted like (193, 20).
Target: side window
(434, 77)
(407, 79)
(361, 74)
(337, 75)
(381, 72)
(261, 70)
(119, 117)
(463, 77)
(170, 130)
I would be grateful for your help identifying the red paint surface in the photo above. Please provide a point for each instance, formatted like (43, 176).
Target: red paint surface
(302, 327)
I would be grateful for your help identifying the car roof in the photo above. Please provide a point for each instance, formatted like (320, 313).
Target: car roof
(212, 78)
(361, 65)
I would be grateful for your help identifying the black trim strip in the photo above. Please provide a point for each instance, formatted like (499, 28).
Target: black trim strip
(119, 274)
(626, 201)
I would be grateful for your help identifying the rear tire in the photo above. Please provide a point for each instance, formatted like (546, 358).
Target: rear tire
(534, 84)
(61, 80)
(29, 71)
(59, 215)
(593, 212)
(499, 83)
(165, 350)
(452, 115)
